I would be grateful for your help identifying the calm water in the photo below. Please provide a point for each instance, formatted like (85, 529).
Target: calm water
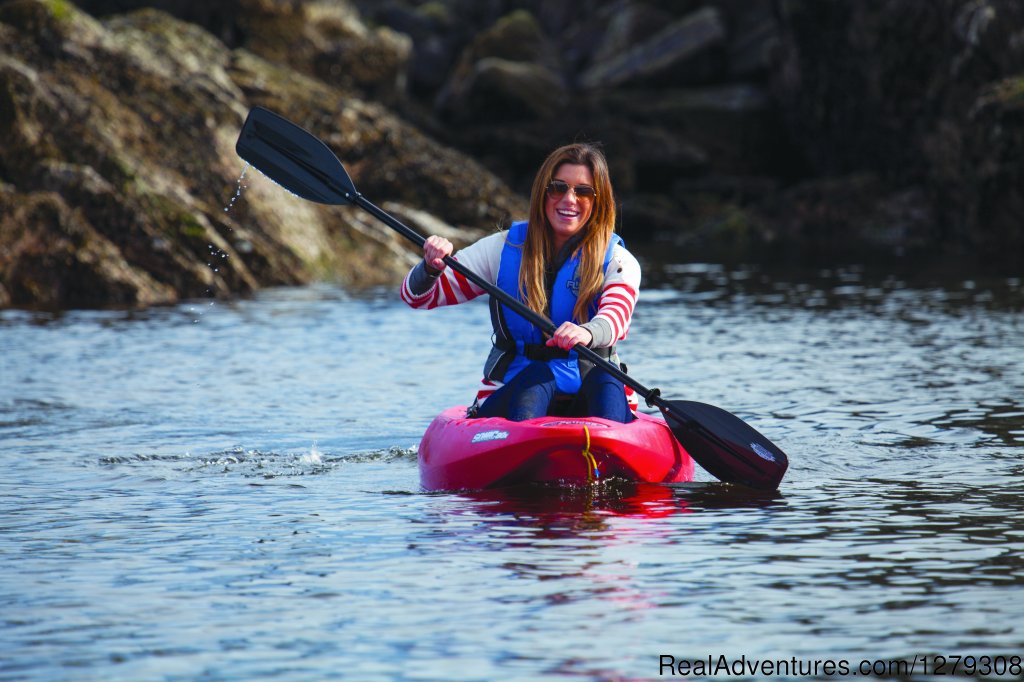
(230, 491)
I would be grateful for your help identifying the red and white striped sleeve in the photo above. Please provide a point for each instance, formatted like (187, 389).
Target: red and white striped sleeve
(451, 288)
(619, 295)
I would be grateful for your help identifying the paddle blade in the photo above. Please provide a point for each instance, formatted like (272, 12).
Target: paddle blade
(294, 158)
(726, 446)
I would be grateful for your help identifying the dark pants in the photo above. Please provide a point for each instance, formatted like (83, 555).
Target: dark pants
(531, 392)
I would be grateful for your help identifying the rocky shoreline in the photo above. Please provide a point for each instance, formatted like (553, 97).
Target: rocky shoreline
(798, 130)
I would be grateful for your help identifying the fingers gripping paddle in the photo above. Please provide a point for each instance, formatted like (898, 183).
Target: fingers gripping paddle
(722, 443)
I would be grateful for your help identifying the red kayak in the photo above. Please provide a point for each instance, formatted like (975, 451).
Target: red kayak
(457, 453)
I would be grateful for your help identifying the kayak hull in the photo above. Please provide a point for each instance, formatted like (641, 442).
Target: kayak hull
(457, 453)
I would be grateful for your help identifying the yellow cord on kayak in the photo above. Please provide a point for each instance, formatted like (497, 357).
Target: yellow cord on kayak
(591, 462)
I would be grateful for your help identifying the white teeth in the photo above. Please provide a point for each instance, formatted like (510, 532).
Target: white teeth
(568, 214)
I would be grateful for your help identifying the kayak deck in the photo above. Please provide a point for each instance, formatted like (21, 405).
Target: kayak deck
(457, 453)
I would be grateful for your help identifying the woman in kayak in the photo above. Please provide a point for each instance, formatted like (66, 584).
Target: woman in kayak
(565, 262)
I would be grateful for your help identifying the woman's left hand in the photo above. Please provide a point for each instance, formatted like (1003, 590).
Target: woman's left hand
(568, 335)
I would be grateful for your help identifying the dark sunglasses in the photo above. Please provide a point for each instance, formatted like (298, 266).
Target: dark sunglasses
(557, 189)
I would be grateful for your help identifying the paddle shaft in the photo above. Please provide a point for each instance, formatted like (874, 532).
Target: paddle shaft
(540, 321)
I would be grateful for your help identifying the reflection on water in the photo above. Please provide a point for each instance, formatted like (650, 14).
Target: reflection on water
(553, 507)
(238, 498)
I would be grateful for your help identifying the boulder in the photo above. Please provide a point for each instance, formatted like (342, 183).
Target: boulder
(755, 40)
(663, 55)
(992, 166)
(121, 133)
(917, 94)
(627, 25)
(733, 126)
(849, 217)
(511, 70)
(53, 258)
(326, 39)
(436, 35)
(502, 90)
(823, 127)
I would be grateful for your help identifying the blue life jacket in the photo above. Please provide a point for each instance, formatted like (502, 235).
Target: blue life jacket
(517, 341)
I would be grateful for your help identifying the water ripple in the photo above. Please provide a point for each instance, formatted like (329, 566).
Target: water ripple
(239, 499)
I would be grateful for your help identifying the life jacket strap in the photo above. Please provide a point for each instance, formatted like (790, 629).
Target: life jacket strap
(539, 351)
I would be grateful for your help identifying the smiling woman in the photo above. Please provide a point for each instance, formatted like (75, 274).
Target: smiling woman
(565, 262)
(567, 206)
(299, 160)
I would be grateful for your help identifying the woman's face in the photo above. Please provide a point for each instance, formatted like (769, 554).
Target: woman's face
(568, 214)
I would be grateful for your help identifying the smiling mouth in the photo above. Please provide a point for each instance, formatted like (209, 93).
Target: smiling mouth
(566, 213)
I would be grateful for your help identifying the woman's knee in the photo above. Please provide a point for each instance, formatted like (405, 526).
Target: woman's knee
(596, 381)
(604, 396)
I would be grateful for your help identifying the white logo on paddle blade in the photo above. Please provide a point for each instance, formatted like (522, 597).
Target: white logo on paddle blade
(485, 436)
(762, 452)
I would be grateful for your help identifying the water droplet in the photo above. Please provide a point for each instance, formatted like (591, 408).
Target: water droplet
(238, 189)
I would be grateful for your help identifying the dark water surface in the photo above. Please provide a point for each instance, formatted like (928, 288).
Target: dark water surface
(230, 492)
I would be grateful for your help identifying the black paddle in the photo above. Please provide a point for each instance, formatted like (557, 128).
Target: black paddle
(725, 445)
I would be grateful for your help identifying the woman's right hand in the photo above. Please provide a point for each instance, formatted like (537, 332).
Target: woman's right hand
(434, 251)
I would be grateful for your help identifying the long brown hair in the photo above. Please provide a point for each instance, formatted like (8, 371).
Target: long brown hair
(538, 248)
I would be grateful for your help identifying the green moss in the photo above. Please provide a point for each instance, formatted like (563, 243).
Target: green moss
(733, 226)
(59, 9)
(189, 226)
(520, 20)
(1007, 92)
(117, 172)
(999, 97)
(1011, 90)
(170, 218)
(516, 36)
(435, 11)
